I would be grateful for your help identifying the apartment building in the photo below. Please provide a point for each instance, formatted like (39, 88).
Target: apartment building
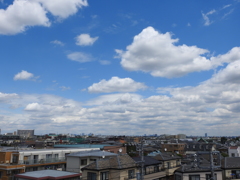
(13, 162)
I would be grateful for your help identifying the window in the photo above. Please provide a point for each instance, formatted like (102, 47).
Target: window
(93, 160)
(56, 156)
(0, 174)
(83, 162)
(194, 177)
(209, 177)
(91, 176)
(168, 165)
(233, 155)
(178, 177)
(131, 174)
(15, 159)
(104, 175)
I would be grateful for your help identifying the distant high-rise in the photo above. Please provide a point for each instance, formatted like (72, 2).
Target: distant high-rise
(25, 133)
(205, 134)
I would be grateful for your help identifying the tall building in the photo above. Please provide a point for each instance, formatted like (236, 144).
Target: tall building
(25, 133)
(205, 134)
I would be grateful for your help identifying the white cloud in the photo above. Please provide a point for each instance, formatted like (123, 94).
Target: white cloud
(105, 62)
(85, 40)
(21, 15)
(115, 99)
(116, 84)
(157, 54)
(64, 88)
(4, 97)
(24, 75)
(206, 19)
(57, 42)
(63, 8)
(80, 57)
(212, 105)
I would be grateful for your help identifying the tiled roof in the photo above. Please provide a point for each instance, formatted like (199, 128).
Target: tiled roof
(233, 147)
(122, 161)
(147, 160)
(166, 156)
(231, 162)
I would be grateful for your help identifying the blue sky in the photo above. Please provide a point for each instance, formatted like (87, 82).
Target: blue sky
(120, 67)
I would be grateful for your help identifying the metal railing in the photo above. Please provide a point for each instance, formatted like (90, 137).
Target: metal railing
(42, 161)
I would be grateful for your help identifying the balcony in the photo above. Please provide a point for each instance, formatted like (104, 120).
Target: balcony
(42, 161)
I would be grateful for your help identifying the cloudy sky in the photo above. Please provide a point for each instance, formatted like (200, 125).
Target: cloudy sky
(120, 67)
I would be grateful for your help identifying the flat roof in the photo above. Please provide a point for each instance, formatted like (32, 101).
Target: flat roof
(81, 145)
(47, 174)
(53, 149)
(96, 153)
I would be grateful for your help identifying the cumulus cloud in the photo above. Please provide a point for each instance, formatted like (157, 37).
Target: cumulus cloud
(159, 55)
(57, 42)
(24, 75)
(85, 40)
(116, 84)
(62, 8)
(4, 97)
(213, 105)
(22, 14)
(80, 57)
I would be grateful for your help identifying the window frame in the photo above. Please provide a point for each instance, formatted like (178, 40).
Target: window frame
(131, 173)
(104, 175)
(83, 160)
(194, 175)
(91, 176)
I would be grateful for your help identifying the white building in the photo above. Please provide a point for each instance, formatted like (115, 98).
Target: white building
(234, 151)
(76, 161)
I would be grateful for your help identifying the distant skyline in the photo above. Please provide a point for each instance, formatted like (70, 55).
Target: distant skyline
(120, 67)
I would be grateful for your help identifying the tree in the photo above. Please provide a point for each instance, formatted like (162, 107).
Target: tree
(223, 140)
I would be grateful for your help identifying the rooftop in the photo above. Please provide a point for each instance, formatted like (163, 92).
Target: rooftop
(47, 174)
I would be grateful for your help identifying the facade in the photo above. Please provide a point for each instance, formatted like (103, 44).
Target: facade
(178, 148)
(194, 173)
(120, 167)
(170, 162)
(76, 161)
(153, 169)
(234, 151)
(19, 161)
(231, 167)
(47, 175)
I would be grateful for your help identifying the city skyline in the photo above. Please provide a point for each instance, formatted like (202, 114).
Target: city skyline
(120, 67)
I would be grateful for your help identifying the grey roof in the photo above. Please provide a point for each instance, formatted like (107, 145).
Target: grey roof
(165, 156)
(121, 161)
(147, 160)
(231, 162)
(47, 173)
(95, 153)
(189, 169)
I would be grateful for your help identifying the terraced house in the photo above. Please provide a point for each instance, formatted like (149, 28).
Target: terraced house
(13, 162)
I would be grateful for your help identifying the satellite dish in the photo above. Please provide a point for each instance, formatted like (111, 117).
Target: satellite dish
(120, 150)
